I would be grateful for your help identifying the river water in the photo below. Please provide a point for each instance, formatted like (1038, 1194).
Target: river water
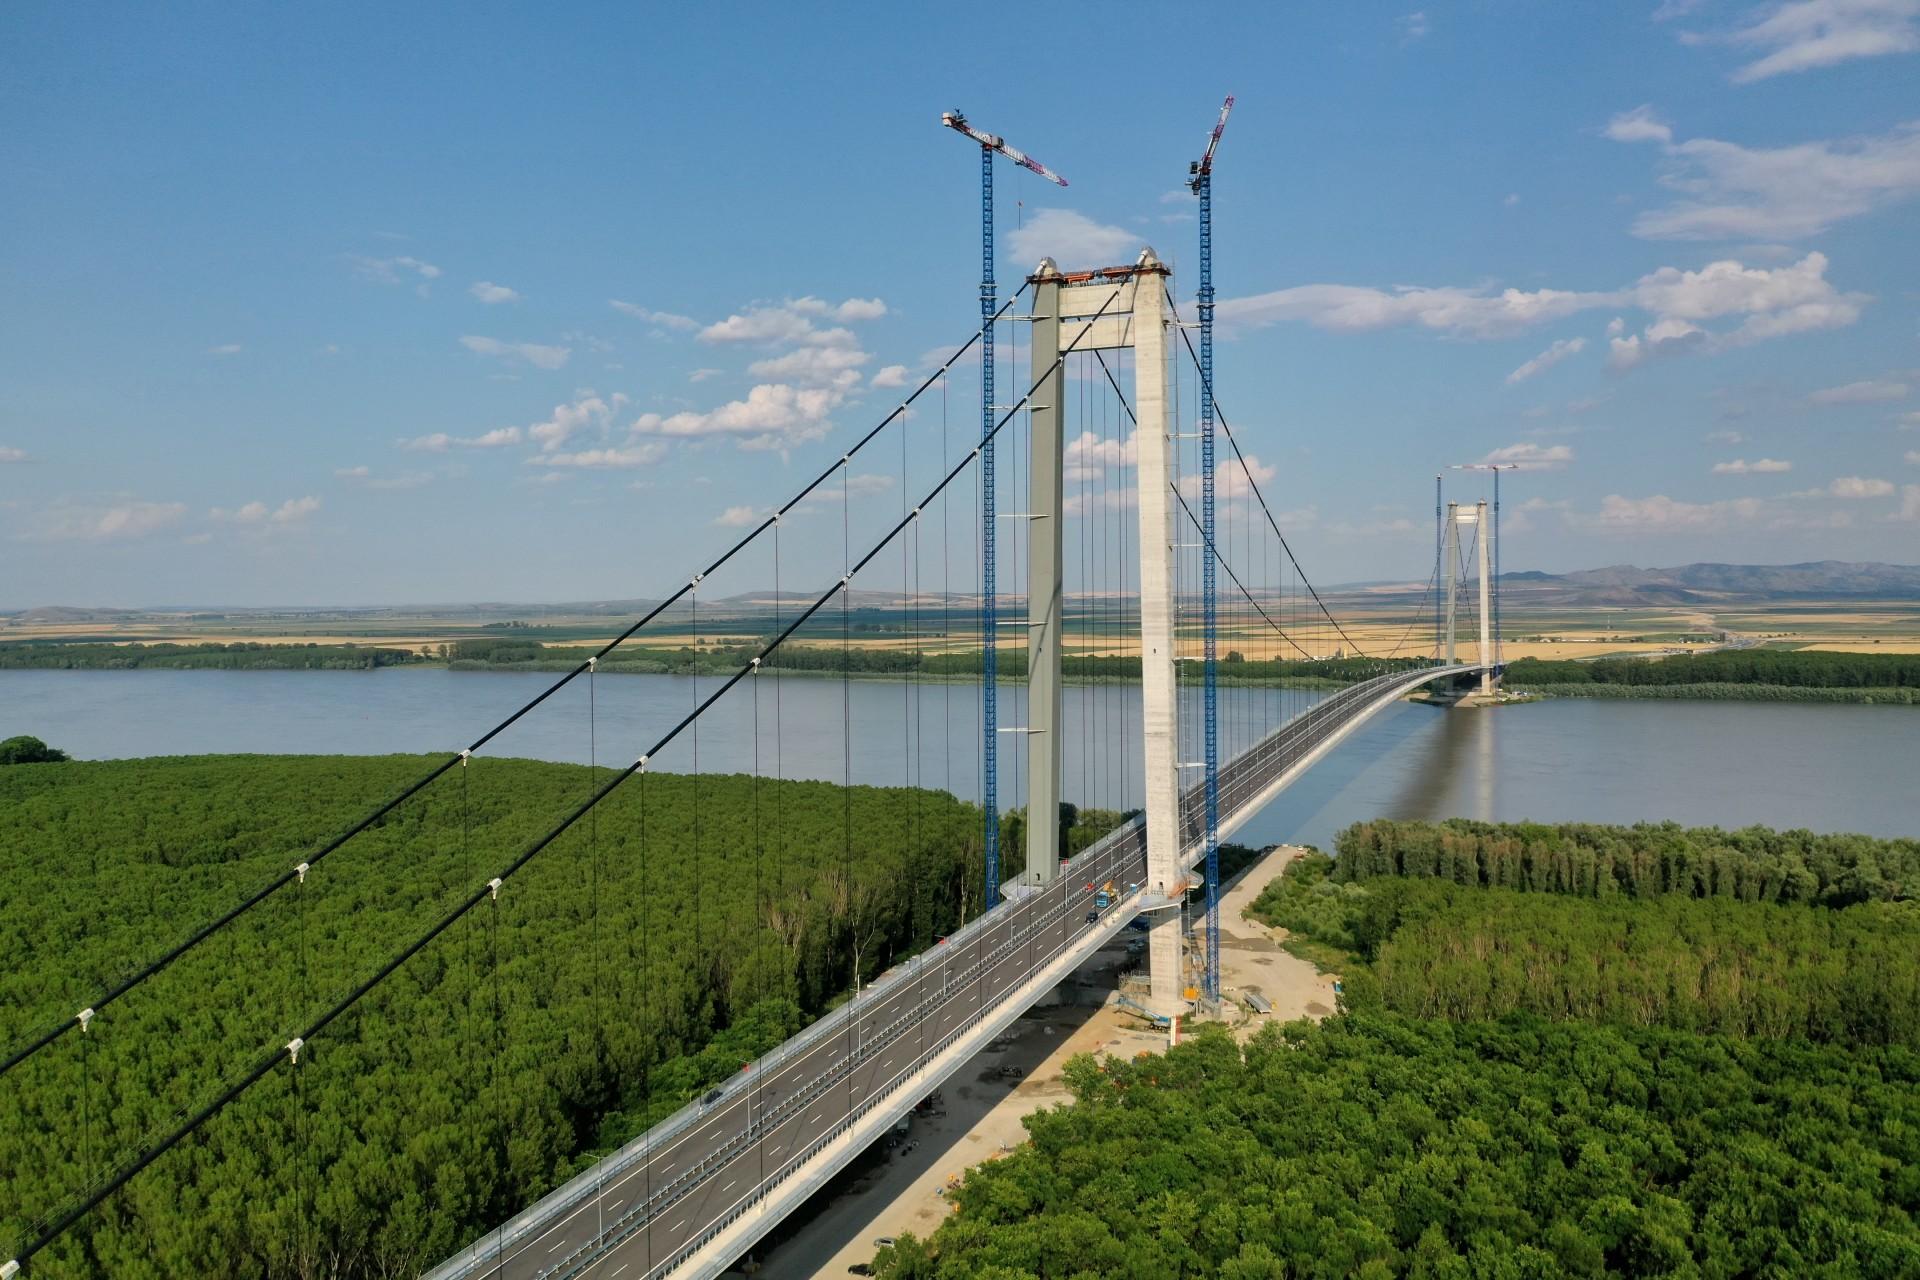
(1826, 767)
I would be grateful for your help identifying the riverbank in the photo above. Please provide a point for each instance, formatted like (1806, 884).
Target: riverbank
(1722, 693)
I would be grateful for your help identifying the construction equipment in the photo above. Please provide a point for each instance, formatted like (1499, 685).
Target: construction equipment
(1202, 184)
(989, 621)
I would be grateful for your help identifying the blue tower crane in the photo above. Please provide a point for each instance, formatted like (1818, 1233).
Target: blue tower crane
(989, 604)
(1201, 181)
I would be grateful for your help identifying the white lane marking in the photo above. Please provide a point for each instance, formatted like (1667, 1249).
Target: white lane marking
(622, 1267)
(556, 1244)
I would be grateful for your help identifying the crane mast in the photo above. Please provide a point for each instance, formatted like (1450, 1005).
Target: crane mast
(990, 144)
(1202, 184)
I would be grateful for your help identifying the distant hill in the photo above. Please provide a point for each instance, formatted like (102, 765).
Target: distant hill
(1625, 584)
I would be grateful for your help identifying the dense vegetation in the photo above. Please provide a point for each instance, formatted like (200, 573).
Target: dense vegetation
(25, 749)
(1644, 860)
(1376, 1146)
(1775, 675)
(645, 955)
(1844, 976)
(240, 656)
(1657, 1052)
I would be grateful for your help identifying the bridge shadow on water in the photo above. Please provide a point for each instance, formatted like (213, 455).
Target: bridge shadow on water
(1412, 760)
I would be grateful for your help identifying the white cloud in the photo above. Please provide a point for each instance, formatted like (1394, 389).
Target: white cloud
(540, 357)
(1512, 199)
(701, 375)
(440, 441)
(1072, 240)
(1458, 312)
(1875, 391)
(1639, 125)
(10, 454)
(391, 270)
(773, 415)
(1807, 34)
(1530, 456)
(226, 349)
(664, 319)
(1553, 355)
(585, 411)
(638, 455)
(1785, 193)
(491, 293)
(258, 515)
(1913, 457)
(1725, 437)
(119, 522)
(404, 480)
(1671, 9)
(759, 324)
(856, 309)
(894, 375)
(1860, 487)
(738, 517)
(1909, 421)
(493, 439)
(1909, 504)
(352, 473)
(294, 510)
(817, 366)
(1660, 514)
(1758, 467)
(1412, 26)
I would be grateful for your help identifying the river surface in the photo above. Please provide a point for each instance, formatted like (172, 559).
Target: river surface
(1826, 767)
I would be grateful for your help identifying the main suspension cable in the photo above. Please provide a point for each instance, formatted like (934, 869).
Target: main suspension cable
(491, 890)
(292, 874)
(1254, 486)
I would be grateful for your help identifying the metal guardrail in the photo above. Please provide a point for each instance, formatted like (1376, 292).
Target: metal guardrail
(1244, 777)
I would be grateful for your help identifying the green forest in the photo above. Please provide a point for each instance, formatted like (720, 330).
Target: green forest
(239, 656)
(1375, 1145)
(644, 956)
(1767, 675)
(1642, 861)
(1561, 1051)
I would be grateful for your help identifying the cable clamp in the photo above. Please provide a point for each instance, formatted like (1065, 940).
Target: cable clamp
(593, 662)
(845, 458)
(494, 885)
(83, 1018)
(300, 872)
(916, 513)
(641, 764)
(696, 579)
(755, 664)
(294, 1046)
(465, 756)
(845, 579)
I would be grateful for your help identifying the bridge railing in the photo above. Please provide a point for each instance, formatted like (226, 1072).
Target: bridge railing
(1242, 779)
(564, 1199)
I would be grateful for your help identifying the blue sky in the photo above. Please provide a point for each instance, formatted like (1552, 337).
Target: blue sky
(367, 304)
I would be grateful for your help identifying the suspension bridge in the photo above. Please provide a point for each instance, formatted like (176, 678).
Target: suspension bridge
(1129, 544)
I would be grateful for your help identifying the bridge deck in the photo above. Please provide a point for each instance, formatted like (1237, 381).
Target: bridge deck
(692, 1194)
